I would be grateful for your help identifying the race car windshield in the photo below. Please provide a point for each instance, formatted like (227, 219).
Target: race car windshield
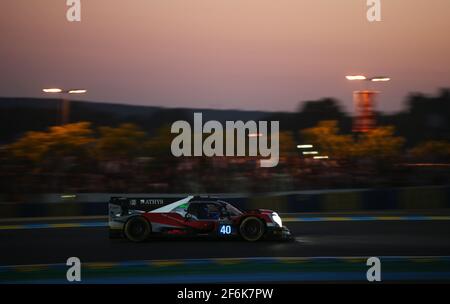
(233, 210)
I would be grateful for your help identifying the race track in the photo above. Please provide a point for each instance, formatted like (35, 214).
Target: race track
(312, 239)
(327, 248)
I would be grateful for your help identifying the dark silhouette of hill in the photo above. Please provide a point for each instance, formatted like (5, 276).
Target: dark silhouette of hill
(18, 115)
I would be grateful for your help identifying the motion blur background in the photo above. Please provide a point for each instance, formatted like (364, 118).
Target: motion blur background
(346, 193)
(159, 61)
(118, 148)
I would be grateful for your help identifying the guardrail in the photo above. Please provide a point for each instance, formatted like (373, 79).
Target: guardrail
(90, 204)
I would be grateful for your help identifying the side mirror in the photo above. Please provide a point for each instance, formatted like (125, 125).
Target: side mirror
(188, 217)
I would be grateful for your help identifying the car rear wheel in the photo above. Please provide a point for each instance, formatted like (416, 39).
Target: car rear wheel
(137, 229)
(251, 229)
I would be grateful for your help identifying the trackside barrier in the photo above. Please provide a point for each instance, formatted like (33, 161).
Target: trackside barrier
(95, 204)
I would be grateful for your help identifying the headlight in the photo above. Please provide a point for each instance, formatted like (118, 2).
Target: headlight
(277, 219)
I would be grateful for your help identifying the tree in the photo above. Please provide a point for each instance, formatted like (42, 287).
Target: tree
(432, 150)
(160, 144)
(312, 112)
(327, 141)
(379, 143)
(61, 149)
(287, 144)
(59, 141)
(124, 142)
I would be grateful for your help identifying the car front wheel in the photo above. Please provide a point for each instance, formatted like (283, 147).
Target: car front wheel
(251, 229)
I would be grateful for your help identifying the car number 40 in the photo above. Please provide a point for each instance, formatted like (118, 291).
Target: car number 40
(225, 229)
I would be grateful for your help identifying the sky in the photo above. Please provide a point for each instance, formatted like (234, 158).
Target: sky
(225, 54)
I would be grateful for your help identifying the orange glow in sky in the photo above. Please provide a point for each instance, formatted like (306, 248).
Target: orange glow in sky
(248, 54)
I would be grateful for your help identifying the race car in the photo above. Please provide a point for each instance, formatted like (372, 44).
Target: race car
(139, 219)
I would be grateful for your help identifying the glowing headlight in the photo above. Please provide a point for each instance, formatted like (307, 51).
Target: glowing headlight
(277, 219)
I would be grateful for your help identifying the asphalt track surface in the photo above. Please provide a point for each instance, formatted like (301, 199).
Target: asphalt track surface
(312, 239)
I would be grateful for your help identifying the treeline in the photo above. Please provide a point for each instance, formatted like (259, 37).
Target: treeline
(425, 118)
(79, 157)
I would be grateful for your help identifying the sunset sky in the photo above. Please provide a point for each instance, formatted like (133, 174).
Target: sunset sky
(241, 54)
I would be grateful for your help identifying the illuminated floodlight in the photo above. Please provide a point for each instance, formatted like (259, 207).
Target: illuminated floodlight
(310, 152)
(304, 146)
(356, 77)
(380, 79)
(58, 90)
(321, 157)
(52, 90)
(78, 91)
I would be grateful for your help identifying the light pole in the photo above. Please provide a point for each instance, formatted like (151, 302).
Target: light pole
(364, 103)
(65, 109)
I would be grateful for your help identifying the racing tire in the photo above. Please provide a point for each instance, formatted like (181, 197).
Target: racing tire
(137, 229)
(251, 229)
